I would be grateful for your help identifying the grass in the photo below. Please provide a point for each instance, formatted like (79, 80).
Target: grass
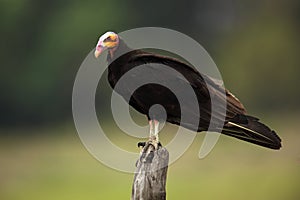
(41, 166)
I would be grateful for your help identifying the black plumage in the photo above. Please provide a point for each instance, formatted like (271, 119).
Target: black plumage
(237, 123)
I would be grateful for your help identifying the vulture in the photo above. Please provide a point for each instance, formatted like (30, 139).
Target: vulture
(234, 121)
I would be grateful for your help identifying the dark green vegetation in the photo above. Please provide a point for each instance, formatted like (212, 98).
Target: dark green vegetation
(255, 44)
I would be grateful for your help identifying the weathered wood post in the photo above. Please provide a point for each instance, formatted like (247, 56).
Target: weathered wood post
(151, 174)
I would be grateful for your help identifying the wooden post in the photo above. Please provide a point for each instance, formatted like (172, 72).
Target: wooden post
(151, 174)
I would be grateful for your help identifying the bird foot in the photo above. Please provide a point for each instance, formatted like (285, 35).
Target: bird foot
(144, 144)
(147, 151)
(141, 144)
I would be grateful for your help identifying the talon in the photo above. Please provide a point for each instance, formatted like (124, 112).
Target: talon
(141, 144)
(155, 145)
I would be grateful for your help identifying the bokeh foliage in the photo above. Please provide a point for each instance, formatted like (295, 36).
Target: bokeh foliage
(255, 45)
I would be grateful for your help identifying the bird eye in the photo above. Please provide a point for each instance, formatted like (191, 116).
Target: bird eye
(107, 39)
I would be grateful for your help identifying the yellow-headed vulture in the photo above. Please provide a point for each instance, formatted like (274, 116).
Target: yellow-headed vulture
(236, 122)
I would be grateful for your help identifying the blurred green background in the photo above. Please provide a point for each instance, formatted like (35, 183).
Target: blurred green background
(255, 44)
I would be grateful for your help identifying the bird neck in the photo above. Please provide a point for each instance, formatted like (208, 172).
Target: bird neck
(117, 62)
(118, 51)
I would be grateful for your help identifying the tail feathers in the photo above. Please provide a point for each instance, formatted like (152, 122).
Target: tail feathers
(249, 129)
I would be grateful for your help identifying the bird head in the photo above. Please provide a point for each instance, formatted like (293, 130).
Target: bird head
(108, 40)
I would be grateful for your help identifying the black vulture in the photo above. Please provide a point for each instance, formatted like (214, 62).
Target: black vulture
(236, 122)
